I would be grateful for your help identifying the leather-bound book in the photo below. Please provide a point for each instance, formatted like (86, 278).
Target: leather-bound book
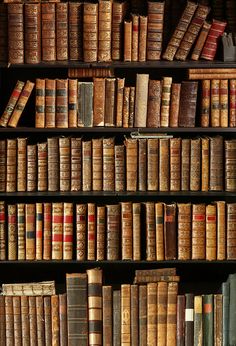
(120, 84)
(116, 318)
(108, 164)
(150, 231)
(11, 103)
(62, 51)
(40, 103)
(170, 233)
(195, 164)
(21, 103)
(97, 163)
(164, 170)
(3, 33)
(154, 103)
(134, 314)
(231, 309)
(11, 169)
(85, 104)
(184, 231)
(125, 314)
(131, 164)
(3, 220)
(200, 41)
(61, 103)
(48, 31)
(171, 336)
(50, 103)
(118, 14)
(99, 101)
(152, 313)
(53, 164)
(232, 103)
(119, 167)
(230, 165)
(32, 320)
(136, 215)
(32, 26)
(31, 167)
(216, 163)
(220, 230)
(205, 103)
(224, 103)
(30, 231)
(198, 231)
(95, 306)
(126, 231)
(81, 222)
(91, 232)
(9, 320)
(180, 31)
(57, 231)
(126, 99)
(3, 161)
(218, 319)
(185, 164)
(162, 294)
(131, 107)
(142, 315)
(42, 166)
(55, 320)
(135, 37)
(63, 319)
(142, 51)
(11, 232)
(113, 232)
(189, 321)
(155, 30)
(64, 163)
(141, 99)
(24, 302)
(231, 231)
(110, 95)
(215, 102)
(76, 163)
(211, 235)
(175, 157)
(165, 101)
(159, 220)
(67, 244)
(104, 30)
(86, 165)
(127, 40)
(100, 233)
(17, 320)
(208, 319)
(47, 320)
(21, 164)
(15, 33)
(180, 316)
(107, 315)
(39, 320)
(72, 102)
(39, 232)
(90, 32)
(174, 104)
(75, 31)
(192, 32)
(152, 164)
(216, 31)
(142, 164)
(188, 104)
(47, 231)
(198, 315)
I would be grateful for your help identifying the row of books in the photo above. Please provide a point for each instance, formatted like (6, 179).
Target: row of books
(55, 231)
(99, 164)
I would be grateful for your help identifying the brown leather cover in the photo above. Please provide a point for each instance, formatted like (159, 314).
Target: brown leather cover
(230, 165)
(113, 231)
(12, 232)
(221, 230)
(131, 145)
(152, 313)
(110, 97)
(72, 102)
(231, 231)
(11, 167)
(48, 31)
(232, 95)
(126, 99)
(53, 164)
(171, 313)
(25, 320)
(162, 292)
(131, 107)
(86, 165)
(104, 30)
(108, 164)
(61, 103)
(75, 31)
(136, 219)
(164, 169)
(90, 32)
(170, 234)
(218, 319)
(165, 101)
(40, 321)
(38, 230)
(20, 231)
(22, 164)
(159, 220)
(216, 163)
(64, 163)
(154, 103)
(152, 164)
(116, 308)
(63, 319)
(97, 163)
(119, 168)
(57, 231)
(211, 236)
(118, 14)
(50, 103)
(224, 104)
(31, 167)
(47, 320)
(185, 164)
(3, 33)
(17, 320)
(99, 101)
(198, 231)
(135, 37)
(32, 26)
(42, 164)
(15, 33)
(175, 164)
(126, 231)
(180, 320)
(81, 226)
(107, 315)
(55, 320)
(62, 31)
(216, 31)
(91, 232)
(175, 104)
(127, 40)
(76, 163)
(142, 315)
(184, 230)
(9, 319)
(40, 103)
(32, 320)
(68, 230)
(3, 156)
(200, 41)
(143, 23)
(120, 84)
(195, 164)
(155, 29)
(134, 314)
(47, 234)
(125, 314)
(205, 102)
(150, 231)
(215, 102)
(100, 232)
(188, 104)
(142, 164)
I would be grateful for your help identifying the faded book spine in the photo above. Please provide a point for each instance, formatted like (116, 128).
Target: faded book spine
(131, 164)
(97, 164)
(206, 103)
(100, 233)
(142, 52)
(119, 168)
(154, 103)
(12, 232)
(39, 231)
(50, 103)
(47, 231)
(232, 99)
(75, 31)
(81, 222)
(198, 231)
(64, 164)
(184, 231)
(113, 232)
(53, 164)
(99, 101)
(126, 231)
(11, 169)
(200, 41)
(91, 232)
(165, 101)
(76, 164)
(31, 167)
(72, 102)
(42, 165)
(155, 29)
(62, 103)
(104, 30)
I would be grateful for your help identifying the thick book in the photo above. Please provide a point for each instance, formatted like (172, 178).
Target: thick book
(216, 31)
(48, 20)
(164, 169)
(32, 33)
(62, 103)
(155, 29)
(50, 103)
(90, 32)
(198, 231)
(47, 319)
(188, 104)
(76, 163)
(152, 164)
(99, 101)
(141, 100)
(62, 51)
(162, 300)
(174, 104)
(85, 104)
(197, 49)
(15, 33)
(104, 30)
(107, 315)
(44, 288)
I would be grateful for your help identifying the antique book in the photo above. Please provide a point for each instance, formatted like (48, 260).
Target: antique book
(230, 181)
(141, 100)
(31, 167)
(198, 315)
(55, 320)
(145, 279)
(67, 242)
(86, 165)
(205, 164)
(126, 107)
(164, 169)
(232, 102)
(171, 313)
(156, 272)
(3, 219)
(142, 48)
(95, 306)
(208, 320)
(220, 230)
(224, 102)
(159, 221)
(113, 232)
(85, 104)
(108, 164)
(216, 163)
(97, 164)
(135, 37)
(136, 219)
(32, 319)
(104, 30)
(48, 20)
(47, 231)
(211, 235)
(100, 233)
(154, 104)
(162, 295)
(90, 32)
(116, 317)
(21, 103)
(127, 40)
(175, 157)
(131, 107)
(11, 232)
(57, 231)
(180, 316)
(42, 167)
(231, 231)
(24, 305)
(63, 319)
(134, 293)
(216, 31)
(126, 231)
(46, 288)
(110, 93)
(131, 164)
(50, 103)
(205, 103)
(47, 320)
(72, 102)
(231, 308)
(30, 231)
(32, 33)
(120, 84)
(91, 231)
(22, 163)
(17, 319)
(81, 220)
(165, 101)
(218, 319)
(152, 313)
(174, 104)
(107, 315)
(142, 164)
(15, 33)
(39, 231)
(64, 164)
(53, 164)
(40, 103)
(155, 29)
(11, 168)
(75, 31)
(76, 163)
(189, 321)
(9, 321)
(152, 164)
(39, 320)
(150, 231)
(184, 230)
(198, 231)
(180, 31)
(62, 103)
(195, 164)
(142, 306)
(215, 102)
(3, 161)
(188, 104)
(170, 236)
(119, 167)
(197, 49)
(118, 14)
(99, 101)
(125, 314)
(62, 51)
(92, 72)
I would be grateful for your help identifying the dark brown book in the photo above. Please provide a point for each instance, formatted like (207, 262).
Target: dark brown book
(118, 14)
(116, 306)
(62, 51)
(216, 163)
(47, 320)
(91, 231)
(53, 164)
(48, 31)
(40, 103)
(32, 319)
(50, 103)
(90, 32)
(126, 231)
(155, 29)
(154, 103)
(152, 164)
(200, 41)
(63, 319)
(175, 104)
(170, 232)
(184, 230)
(32, 34)
(188, 104)
(110, 93)
(142, 315)
(99, 101)
(198, 231)
(104, 30)
(75, 28)
(180, 323)
(107, 315)
(100, 233)
(62, 103)
(47, 232)
(15, 33)
(108, 164)
(159, 221)
(113, 231)
(40, 321)
(175, 164)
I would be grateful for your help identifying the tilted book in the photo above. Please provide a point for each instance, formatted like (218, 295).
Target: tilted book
(40, 103)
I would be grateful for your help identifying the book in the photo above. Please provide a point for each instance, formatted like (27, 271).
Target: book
(119, 167)
(29, 289)
(11, 175)
(184, 231)
(205, 155)
(220, 229)
(120, 85)
(24, 305)
(62, 51)
(198, 231)
(152, 164)
(85, 104)
(154, 103)
(91, 231)
(165, 101)
(170, 236)
(47, 231)
(141, 100)
(162, 300)
(174, 104)
(15, 33)
(116, 317)
(125, 314)
(53, 164)
(39, 231)
(180, 323)
(12, 232)
(104, 30)
(22, 163)
(135, 37)
(229, 165)
(100, 222)
(142, 314)
(175, 147)
(3, 234)
(57, 231)
(185, 164)
(3, 161)
(64, 164)
(118, 14)
(67, 243)
(99, 101)
(152, 313)
(218, 319)
(210, 46)
(81, 231)
(55, 319)
(134, 314)
(142, 164)
(189, 319)
(30, 231)
(171, 313)
(75, 31)
(97, 164)
(150, 231)
(50, 103)
(136, 220)
(216, 164)
(48, 15)
(131, 164)
(126, 231)
(230, 226)
(76, 163)
(188, 104)
(142, 48)
(127, 40)
(159, 221)
(62, 103)
(113, 232)
(208, 322)
(39, 320)
(232, 100)
(32, 33)
(40, 103)
(195, 167)
(31, 167)
(16, 319)
(206, 103)
(198, 317)
(155, 29)
(211, 237)
(164, 170)
(197, 49)
(109, 114)
(108, 164)
(107, 331)
(215, 102)
(224, 103)
(9, 320)
(90, 32)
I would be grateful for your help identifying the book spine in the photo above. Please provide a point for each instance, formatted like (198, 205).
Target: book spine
(116, 318)
(126, 231)
(107, 315)
(119, 168)
(143, 25)
(48, 31)
(39, 231)
(30, 231)
(81, 223)
(24, 301)
(55, 320)
(47, 320)
(142, 315)
(75, 29)
(136, 216)
(215, 103)
(3, 164)
(118, 12)
(134, 314)
(62, 103)
(218, 319)
(175, 147)
(131, 107)
(127, 40)
(3, 244)
(108, 164)
(86, 165)
(67, 231)
(21, 164)
(208, 324)
(184, 231)
(230, 182)
(195, 164)
(198, 231)
(180, 315)
(104, 30)
(135, 37)
(91, 232)
(198, 332)
(221, 230)
(109, 115)
(40, 103)
(53, 164)
(205, 103)
(76, 164)
(152, 313)
(174, 104)
(125, 116)
(231, 235)
(165, 101)
(32, 33)
(11, 170)
(155, 29)
(216, 163)
(211, 238)
(64, 163)
(17, 320)
(15, 33)
(131, 164)
(217, 29)
(63, 319)
(62, 51)
(224, 103)
(162, 295)
(164, 170)
(170, 235)
(171, 313)
(31, 167)
(189, 319)
(188, 104)
(99, 101)
(200, 41)
(113, 232)
(120, 84)
(57, 231)
(159, 220)
(225, 322)
(32, 320)
(142, 164)
(42, 165)
(205, 164)
(50, 103)
(150, 231)
(90, 32)
(47, 231)
(154, 103)
(232, 98)
(152, 164)
(9, 320)
(125, 314)
(12, 232)
(101, 224)
(40, 321)
(72, 102)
